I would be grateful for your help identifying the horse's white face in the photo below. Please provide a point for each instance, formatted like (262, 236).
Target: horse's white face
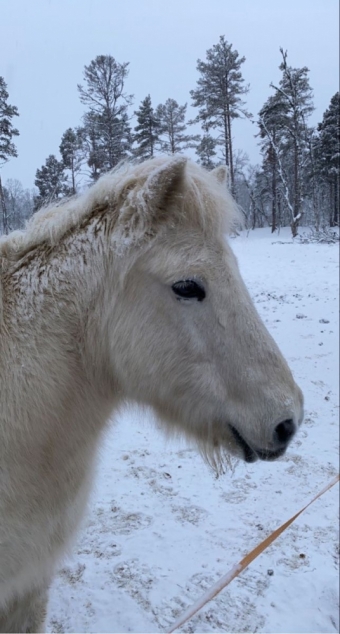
(189, 342)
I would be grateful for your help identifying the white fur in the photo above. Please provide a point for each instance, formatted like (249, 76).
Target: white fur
(88, 321)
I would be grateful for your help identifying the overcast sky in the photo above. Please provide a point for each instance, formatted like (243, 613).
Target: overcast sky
(44, 45)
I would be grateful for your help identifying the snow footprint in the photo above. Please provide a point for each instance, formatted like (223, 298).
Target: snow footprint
(72, 574)
(189, 514)
(159, 481)
(136, 579)
(239, 492)
(121, 523)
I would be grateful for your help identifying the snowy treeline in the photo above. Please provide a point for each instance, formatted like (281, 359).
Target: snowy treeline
(296, 183)
(18, 204)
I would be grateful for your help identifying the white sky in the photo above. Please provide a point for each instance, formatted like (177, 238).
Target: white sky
(44, 45)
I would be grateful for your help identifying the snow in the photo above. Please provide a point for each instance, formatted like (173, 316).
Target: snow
(161, 530)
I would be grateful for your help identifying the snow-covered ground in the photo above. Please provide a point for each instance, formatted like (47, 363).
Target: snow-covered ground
(160, 529)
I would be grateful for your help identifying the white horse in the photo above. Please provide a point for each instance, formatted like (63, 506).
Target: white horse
(128, 292)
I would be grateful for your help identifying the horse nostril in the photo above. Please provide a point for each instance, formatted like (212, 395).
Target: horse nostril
(283, 432)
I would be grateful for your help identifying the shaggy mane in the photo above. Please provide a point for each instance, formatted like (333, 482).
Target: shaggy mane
(205, 201)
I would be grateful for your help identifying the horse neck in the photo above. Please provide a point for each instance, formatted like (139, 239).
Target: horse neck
(54, 372)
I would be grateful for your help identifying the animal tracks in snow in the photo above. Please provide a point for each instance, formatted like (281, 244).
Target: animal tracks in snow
(124, 523)
(72, 574)
(136, 579)
(239, 492)
(189, 514)
(223, 615)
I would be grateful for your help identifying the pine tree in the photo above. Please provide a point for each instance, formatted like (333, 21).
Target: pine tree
(293, 99)
(147, 131)
(313, 182)
(72, 153)
(107, 134)
(7, 147)
(92, 143)
(218, 95)
(271, 128)
(172, 126)
(327, 148)
(206, 151)
(51, 181)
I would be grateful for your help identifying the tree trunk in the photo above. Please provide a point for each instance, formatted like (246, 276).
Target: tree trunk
(279, 210)
(274, 194)
(296, 204)
(231, 162)
(73, 177)
(331, 210)
(253, 215)
(5, 225)
(151, 138)
(336, 202)
(315, 206)
(294, 227)
(226, 143)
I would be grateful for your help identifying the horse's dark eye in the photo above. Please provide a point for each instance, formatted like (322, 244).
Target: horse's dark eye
(189, 289)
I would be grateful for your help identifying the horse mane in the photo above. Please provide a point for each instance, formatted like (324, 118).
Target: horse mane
(207, 202)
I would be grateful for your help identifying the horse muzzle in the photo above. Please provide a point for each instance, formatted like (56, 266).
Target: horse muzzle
(282, 435)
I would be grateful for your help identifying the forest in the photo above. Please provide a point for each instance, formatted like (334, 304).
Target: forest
(296, 184)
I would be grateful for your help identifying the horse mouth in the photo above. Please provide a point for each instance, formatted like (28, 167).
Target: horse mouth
(270, 455)
(250, 454)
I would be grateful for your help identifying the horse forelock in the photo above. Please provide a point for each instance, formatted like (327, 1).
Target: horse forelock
(123, 194)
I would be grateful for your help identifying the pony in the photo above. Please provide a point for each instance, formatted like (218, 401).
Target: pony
(129, 292)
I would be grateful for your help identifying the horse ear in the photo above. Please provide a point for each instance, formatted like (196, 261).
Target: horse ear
(146, 207)
(221, 174)
(165, 182)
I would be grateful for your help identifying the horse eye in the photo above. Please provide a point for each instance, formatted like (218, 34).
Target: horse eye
(189, 289)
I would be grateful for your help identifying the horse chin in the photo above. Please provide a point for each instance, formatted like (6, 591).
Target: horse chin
(250, 454)
(270, 456)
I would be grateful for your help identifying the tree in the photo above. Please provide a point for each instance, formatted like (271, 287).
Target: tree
(106, 126)
(271, 134)
(206, 151)
(218, 95)
(92, 144)
(72, 153)
(51, 181)
(147, 131)
(19, 203)
(172, 126)
(290, 106)
(7, 147)
(256, 210)
(327, 148)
